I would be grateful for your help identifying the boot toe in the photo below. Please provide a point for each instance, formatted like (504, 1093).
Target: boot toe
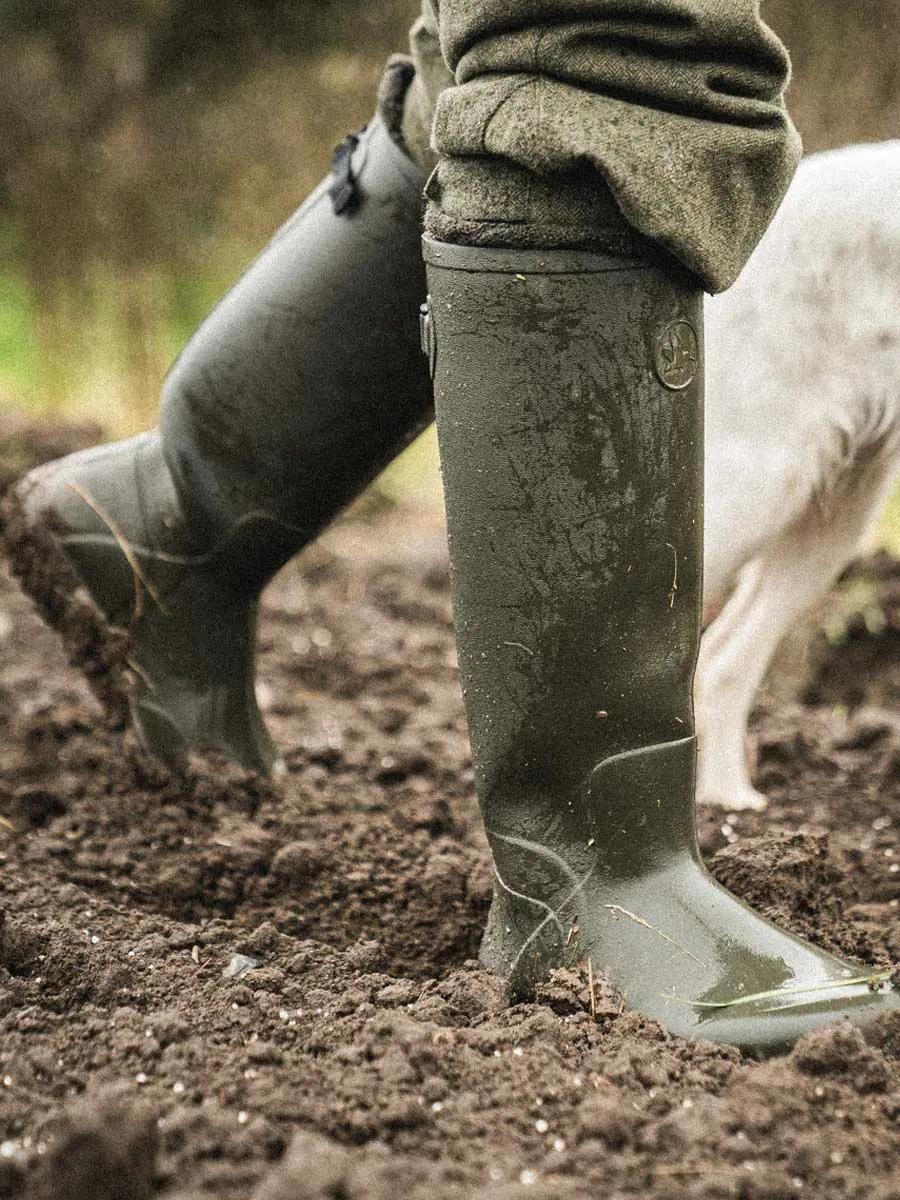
(766, 1031)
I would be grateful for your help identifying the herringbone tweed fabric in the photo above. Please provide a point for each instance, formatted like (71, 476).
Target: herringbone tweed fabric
(603, 123)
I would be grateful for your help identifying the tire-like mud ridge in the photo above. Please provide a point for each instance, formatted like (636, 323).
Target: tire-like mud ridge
(225, 988)
(95, 647)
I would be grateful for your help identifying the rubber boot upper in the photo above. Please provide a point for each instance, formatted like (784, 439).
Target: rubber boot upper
(302, 384)
(569, 407)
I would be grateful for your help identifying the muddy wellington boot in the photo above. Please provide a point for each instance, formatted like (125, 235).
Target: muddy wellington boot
(297, 390)
(569, 408)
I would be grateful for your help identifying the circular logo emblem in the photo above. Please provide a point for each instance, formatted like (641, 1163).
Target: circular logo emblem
(676, 355)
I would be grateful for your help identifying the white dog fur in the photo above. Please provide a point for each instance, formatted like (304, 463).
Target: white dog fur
(803, 430)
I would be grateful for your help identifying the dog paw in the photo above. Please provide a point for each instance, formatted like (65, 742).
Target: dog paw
(737, 799)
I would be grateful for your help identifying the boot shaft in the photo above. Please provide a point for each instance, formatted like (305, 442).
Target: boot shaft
(307, 379)
(569, 407)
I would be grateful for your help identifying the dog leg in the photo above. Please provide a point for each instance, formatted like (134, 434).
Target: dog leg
(793, 571)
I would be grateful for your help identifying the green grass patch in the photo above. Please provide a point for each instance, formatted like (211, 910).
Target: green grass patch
(887, 532)
(19, 342)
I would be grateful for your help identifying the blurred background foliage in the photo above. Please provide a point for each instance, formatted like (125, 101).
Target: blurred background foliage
(148, 147)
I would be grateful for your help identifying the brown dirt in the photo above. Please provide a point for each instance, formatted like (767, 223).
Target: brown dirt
(365, 1053)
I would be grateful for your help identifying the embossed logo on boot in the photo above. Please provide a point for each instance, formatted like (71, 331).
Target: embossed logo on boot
(676, 355)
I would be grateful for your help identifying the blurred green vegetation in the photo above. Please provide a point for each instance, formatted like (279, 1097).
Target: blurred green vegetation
(150, 146)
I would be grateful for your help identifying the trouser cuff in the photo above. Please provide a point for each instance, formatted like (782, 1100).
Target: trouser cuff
(575, 211)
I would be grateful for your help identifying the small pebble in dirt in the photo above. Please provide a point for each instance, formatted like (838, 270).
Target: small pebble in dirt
(240, 965)
(528, 1177)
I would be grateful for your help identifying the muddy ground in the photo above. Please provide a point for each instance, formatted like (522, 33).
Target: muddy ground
(219, 987)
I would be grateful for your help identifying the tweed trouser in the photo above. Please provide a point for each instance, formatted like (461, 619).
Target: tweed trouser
(606, 124)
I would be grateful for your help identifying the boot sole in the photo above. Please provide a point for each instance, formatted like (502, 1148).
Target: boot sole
(97, 648)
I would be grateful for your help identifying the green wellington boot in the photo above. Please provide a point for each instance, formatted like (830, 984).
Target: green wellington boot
(569, 408)
(302, 384)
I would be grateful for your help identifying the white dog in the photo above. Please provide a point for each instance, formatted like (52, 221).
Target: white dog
(803, 430)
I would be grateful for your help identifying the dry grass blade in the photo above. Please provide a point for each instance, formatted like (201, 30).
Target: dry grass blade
(617, 908)
(674, 588)
(125, 547)
(877, 977)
